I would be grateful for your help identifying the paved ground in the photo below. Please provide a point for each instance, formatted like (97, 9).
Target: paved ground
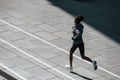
(35, 38)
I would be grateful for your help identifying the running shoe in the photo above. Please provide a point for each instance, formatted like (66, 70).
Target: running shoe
(69, 67)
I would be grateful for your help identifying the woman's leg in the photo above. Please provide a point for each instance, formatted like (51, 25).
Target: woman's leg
(73, 48)
(82, 52)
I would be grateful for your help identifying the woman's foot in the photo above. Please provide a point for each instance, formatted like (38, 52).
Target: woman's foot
(69, 67)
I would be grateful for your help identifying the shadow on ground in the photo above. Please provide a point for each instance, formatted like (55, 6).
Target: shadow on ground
(103, 15)
(86, 78)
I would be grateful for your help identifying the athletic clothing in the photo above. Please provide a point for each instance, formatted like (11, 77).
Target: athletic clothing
(75, 46)
(77, 38)
(77, 33)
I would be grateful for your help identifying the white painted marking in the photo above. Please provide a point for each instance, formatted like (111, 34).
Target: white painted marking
(37, 59)
(12, 71)
(54, 46)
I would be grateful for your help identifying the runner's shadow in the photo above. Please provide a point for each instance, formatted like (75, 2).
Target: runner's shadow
(86, 78)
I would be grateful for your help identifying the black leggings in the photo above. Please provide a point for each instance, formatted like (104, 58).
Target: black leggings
(80, 46)
(82, 51)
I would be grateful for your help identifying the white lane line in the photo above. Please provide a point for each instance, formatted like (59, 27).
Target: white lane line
(13, 26)
(37, 59)
(12, 71)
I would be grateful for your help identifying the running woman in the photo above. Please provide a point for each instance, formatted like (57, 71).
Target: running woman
(78, 43)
